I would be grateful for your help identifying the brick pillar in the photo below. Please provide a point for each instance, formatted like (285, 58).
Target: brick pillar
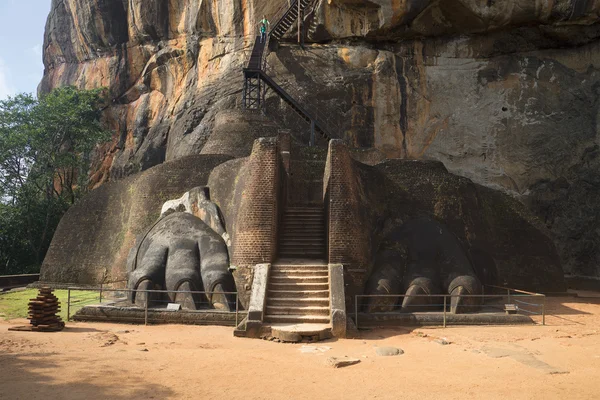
(255, 240)
(347, 222)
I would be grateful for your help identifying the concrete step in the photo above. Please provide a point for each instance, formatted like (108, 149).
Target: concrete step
(304, 209)
(304, 240)
(298, 310)
(298, 272)
(308, 255)
(303, 218)
(308, 265)
(298, 279)
(303, 228)
(292, 252)
(302, 245)
(316, 246)
(298, 286)
(303, 233)
(303, 222)
(298, 318)
(296, 301)
(318, 217)
(301, 241)
(305, 294)
(309, 221)
(301, 214)
(304, 225)
(311, 250)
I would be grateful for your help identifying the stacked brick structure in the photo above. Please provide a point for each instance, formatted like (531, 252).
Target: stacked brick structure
(255, 239)
(348, 226)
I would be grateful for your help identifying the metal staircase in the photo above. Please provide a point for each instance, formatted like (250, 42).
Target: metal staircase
(254, 89)
(257, 81)
(289, 17)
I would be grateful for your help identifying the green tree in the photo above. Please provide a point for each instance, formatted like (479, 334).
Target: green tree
(45, 150)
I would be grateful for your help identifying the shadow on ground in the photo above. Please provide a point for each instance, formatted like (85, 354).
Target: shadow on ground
(25, 378)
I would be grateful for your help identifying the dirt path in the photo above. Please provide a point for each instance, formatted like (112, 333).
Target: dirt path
(557, 361)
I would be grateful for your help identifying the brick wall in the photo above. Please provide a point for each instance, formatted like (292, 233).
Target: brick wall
(255, 239)
(348, 225)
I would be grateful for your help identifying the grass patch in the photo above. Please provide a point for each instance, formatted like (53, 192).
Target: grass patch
(14, 304)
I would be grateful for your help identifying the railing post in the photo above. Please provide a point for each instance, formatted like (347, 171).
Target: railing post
(68, 304)
(445, 311)
(508, 295)
(356, 311)
(237, 308)
(299, 23)
(146, 309)
(544, 311)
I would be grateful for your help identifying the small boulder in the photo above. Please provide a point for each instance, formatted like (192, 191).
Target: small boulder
(339, 362)
(388, 351)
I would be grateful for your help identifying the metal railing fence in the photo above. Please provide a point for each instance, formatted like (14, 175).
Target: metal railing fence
(526, 302)
(79, 297)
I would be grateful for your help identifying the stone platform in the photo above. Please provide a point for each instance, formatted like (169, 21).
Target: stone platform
(288, 332)
(373, 320)
(299, 332)
(136, 315)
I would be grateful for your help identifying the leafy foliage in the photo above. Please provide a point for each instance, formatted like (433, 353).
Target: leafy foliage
(45, 148)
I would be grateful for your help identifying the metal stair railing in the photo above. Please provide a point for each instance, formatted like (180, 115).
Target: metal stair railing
(284, 22)
(313, 114)
(279, 15)
(258, 70)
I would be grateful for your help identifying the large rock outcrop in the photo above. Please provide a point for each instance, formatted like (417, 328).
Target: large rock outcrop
(502, 92)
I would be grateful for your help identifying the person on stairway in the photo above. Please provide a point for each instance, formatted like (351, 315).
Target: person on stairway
(264, 24)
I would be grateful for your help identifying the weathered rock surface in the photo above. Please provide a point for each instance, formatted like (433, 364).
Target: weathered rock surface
(181, 253)
(388, 351)
(502, 92)
(340, 362)
(94, 238)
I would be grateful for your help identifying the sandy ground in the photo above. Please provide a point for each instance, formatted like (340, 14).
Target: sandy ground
(91, 360)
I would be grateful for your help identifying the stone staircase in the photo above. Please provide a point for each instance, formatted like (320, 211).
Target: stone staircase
(298, 293)
(303, 233)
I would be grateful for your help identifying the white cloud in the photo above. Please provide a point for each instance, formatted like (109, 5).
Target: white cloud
(5, 88)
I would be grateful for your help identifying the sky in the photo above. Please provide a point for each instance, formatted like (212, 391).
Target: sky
(22, 25)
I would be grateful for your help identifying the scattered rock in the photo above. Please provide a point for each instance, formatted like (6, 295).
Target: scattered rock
(143, 349)
(558, 372)
(122, 332)
(340, 362)
(388, 351)
(140, 344)
(107, 338)
(442, 341)
(314, 349)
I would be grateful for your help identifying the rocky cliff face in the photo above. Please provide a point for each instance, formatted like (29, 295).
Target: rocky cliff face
(504, 92)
